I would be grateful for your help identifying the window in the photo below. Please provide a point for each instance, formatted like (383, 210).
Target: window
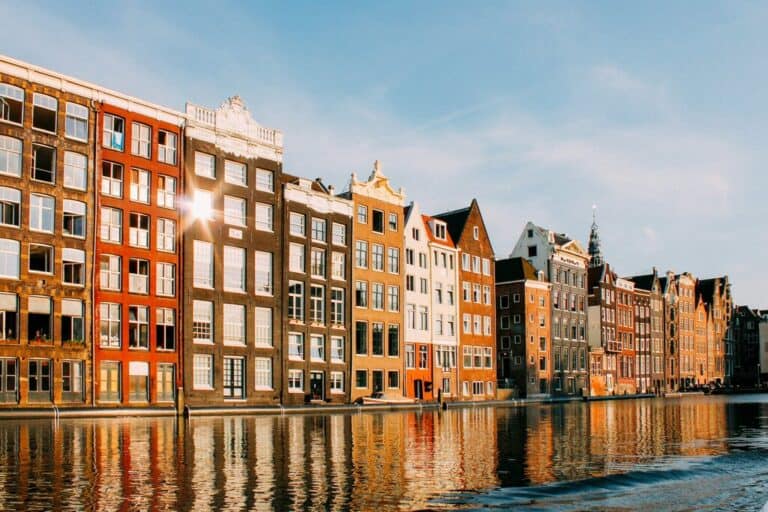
(317, 304)
(361, 378)
(166, 279)
(476, 233)
(74, 218)
(362, 214)
(43, 163)
(166, 382)
(202, 264)
(141, 140)
(361, 338)
(234, 324)
(504, 322)
(10, 206)
(440, 231)
(393, 379)
(113, 136)
(337, 349)
(377, 296)
(423, 357)
(465, 262)
(72, 380)
(265, 180)
(361, 254)
(138, 230)
(202, 321)
(295, 345)
(234, 269)
(337, 382)
(41, 258)
(138, 327)
(339, 234)
(41, 212)
(486, 267)
(296, 258)
(109, 325)
(296, 301)
(166, 147)
(393, 222)
(263, 273)
(393, 340)
(476, 324)
(39, 380)
(486, 325)
(361, 294)
(318, 230)
(263, 217)
(73, 266)
(109, 381)
(235, 173)
(109, 272)
(337, 306)
(317, 347)
(476, 264)
(423, 318)
(263, 318)
(377, 339)
(72, 320)
(202, 371)
(393, 298)
(378, 221)
(9, 258)
(410, 356)
(111, 226)
(263, 369)
(338, 267)
(203, 203)
(8, 317)
(44, 112)
(11, 103)
(165, 329)
(478, 357)
(139, 186)
(295, 381)
(111, 179)
(75, 170)
(166, 235)
(234, 377)
(532, 251)
(166, 192)
(393, 260)
(317, 263)
(297, 223)
(10, 154)
(138, 275)
(377, 257)
(409, 283)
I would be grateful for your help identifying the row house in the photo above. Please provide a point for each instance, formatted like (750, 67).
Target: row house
(47, 160)
(232, 259)
(524, 337)
(702, 338)
(564, 262)
(715, 293)
(477, 310)
(316, 238)
(643, 340)
(648, 294)
(686, 306)
(746, 340)
(602, 337)
(377, 316)
(763, 348)
(136, 293)
(625, 332)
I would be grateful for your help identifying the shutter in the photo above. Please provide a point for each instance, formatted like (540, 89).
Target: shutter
(138, 368)
(8, 302)
(71, 307)
(41, 305)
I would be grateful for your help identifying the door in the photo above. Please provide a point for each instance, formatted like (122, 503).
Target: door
(419, 389)
(316, 386)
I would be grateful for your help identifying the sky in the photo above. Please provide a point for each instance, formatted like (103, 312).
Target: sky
(654, 111)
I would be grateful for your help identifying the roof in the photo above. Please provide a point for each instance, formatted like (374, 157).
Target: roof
(644, 282)
(515, 269)
(595, 275)
(705, 288)
(448, 242)
(455, 220)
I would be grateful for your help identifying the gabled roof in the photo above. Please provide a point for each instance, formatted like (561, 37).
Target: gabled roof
(455, 220)
(595, 275)
(515, 269)
(448, 242)
(644, 282)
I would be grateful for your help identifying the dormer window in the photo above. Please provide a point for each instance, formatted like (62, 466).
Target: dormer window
(476, 233)
(530, 233)
(440, 231)
(415, 233)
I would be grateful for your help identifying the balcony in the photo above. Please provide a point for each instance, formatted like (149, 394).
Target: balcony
(613, 346)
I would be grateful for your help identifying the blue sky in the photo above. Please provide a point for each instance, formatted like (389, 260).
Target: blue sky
(653, 111)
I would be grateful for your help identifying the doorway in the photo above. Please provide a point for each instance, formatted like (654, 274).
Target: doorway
(316, 386)
(418, 385)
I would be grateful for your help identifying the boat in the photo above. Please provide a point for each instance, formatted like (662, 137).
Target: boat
(382, 399)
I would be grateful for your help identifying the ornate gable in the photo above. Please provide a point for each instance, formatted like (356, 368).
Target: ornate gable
(574, 247)
(377, 187)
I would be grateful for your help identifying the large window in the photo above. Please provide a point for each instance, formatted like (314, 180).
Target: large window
(166, 192)
(361, 338)
(296, 300)
(166, 382)
(338, 267)
(72, 380)
(339, 234)
(263, 317)
(113, 136)
(75, 171)
(76, 122)
(297, 224)
(235, 173)
(296, 258)
(234, 377)
(234, 211)
(43, 163)
(202, 264)
(138, 275)
(377, 257)
(165, 329)
(361, 294)
(317, 347)
(141, 140)
(265, 180)
(295, 345)
(166, 279)
(109, 381)
(139, 186)
(109, 325)
(377, 296)
(73, 266)
(44, 109)
(10, 207)
(41, 213)
(9, 316)
(317, 304)
(337, 349)
(202, 371)
(10, 154)
(111, 179)
(166, 235)
(109, 272)
(138, 327)
(393, 340)
(9, 258)
(111, 226)
(317, 263)
(378, 221)
(205, 165)
(11, 103)
(202, 321)
(166, 147)
(263, 375)
(393, 260)
(337, 306)
(295, 381)
(39, 378)
(74, 218)
(234, 268)
(337, 382)
(263, 217)
(9, 379)
(138, 381)
(234, 324)
(377, 338)
(263, 273)
(318, 230)
(138, 232)
(41, 258)
(361, 254)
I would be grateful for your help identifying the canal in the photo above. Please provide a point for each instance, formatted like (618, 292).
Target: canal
(653, 454)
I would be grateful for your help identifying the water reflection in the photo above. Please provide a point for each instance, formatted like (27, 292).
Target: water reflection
(356, 461)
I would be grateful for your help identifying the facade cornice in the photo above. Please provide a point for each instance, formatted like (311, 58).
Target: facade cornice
(318, 201)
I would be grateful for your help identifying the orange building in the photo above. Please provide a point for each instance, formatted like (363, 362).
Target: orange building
(701, 337)
(477, 311)
(686, 317)
(625, 332)
(377, 315)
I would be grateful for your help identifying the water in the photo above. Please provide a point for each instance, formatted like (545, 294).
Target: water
(697, 453)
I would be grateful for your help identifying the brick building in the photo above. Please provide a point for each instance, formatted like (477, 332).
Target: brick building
(625, 332)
